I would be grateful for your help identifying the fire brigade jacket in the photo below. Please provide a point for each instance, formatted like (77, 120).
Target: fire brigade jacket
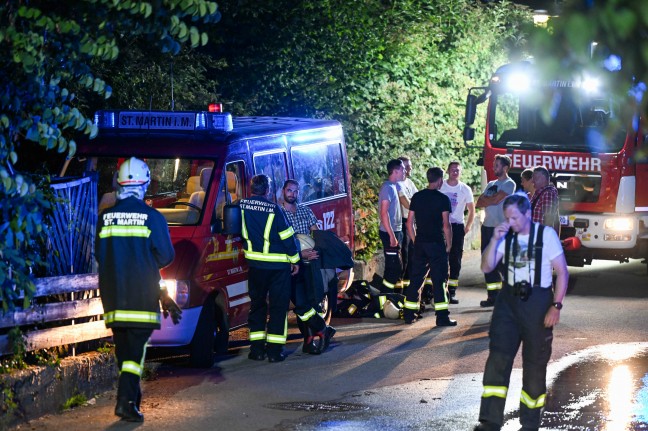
(333, 251)
(269, 240)
(131, 246)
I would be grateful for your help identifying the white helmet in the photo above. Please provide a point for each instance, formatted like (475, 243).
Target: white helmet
(391, 311)
(305, 241)
(133, 172)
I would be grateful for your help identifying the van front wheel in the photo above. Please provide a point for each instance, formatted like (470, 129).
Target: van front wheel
(212, 332)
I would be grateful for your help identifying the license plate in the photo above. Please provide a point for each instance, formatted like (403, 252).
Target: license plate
(564, 221)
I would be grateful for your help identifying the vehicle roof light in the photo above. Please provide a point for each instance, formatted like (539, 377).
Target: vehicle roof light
(215, 107)
(518, 82)
(163, 121)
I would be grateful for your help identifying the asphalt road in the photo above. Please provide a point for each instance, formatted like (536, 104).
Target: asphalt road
(382, 374)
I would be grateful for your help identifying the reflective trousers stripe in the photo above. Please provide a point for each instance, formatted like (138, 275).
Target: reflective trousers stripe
(453, 283)
(279, 339)
(495, 391)
(381, 300)
(132, 367)
(428, 281)
(307, 315)
(412, 305)
(494, 286)
(438, 306)
(256, 336)
(532, 403)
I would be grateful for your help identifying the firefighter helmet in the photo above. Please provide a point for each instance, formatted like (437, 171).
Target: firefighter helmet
(391, 311)
(133, 172)
(305, 241)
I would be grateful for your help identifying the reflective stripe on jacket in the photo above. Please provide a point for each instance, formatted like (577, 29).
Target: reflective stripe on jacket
(269, 239)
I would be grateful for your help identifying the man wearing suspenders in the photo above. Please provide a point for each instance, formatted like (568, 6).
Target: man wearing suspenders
(526, 310)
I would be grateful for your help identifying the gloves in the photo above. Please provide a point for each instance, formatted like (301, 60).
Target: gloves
(170, 307)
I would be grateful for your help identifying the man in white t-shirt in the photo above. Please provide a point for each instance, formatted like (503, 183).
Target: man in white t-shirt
(405, 193)
(461, 199)
(526, 310)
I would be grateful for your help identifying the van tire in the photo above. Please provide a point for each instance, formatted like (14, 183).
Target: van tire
(212, 333)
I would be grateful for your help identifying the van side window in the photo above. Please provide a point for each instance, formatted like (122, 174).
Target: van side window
(274, 166)
(320, 171)
(231, 189)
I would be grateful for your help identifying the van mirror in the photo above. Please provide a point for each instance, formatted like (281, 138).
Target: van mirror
(471, 109)
(472, 101)
(231, 219)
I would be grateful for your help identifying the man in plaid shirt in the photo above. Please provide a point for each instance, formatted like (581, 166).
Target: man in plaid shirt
(544, 203)
(306, 296)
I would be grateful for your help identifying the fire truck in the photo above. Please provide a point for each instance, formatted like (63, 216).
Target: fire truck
(596, 152)
(201, 163)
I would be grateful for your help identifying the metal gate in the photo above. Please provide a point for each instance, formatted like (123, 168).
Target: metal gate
(73, 225)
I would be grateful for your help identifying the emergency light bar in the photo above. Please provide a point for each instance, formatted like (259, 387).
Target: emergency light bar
(185, 121)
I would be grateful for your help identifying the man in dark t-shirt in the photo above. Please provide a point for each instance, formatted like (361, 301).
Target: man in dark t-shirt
(428, 225)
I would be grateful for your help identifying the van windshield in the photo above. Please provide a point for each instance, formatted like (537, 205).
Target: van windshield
(178, 186)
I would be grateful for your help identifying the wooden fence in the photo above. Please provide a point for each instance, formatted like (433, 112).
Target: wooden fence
(65, 301)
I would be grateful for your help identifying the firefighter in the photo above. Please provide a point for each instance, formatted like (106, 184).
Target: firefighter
(525, 312)
(132, 245)
(272, 255)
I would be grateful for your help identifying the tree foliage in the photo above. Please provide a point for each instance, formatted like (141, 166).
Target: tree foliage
(395, 73)
(48, 54)
(591, 35)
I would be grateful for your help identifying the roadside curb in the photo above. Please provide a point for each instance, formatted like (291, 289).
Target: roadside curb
(29, 394)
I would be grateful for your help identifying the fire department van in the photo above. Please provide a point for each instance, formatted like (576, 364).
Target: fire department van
(201, 163)
(598, 157)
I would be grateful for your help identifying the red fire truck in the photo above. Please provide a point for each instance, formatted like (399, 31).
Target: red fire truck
(201, 163)
(597, 154)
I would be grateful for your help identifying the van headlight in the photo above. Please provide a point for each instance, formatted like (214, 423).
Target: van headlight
(178, 290)
(619, 224)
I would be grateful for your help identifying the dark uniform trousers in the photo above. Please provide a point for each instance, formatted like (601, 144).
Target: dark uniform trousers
(428, 257)
(493, 278)
(393, 262)
(515, 321)
(130, 349)
(308, 295)
(407, 253)
(455, 256)
(268, 288)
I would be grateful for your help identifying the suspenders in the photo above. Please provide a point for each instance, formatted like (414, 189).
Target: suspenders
(535, 250)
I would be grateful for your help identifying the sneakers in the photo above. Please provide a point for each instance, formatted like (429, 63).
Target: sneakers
(488, 303)
(127, 411)
(325, 338)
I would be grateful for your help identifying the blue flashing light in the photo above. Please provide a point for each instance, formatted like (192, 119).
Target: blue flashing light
(104, 119)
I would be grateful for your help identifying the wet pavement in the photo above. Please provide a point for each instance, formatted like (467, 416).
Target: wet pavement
(604, 388)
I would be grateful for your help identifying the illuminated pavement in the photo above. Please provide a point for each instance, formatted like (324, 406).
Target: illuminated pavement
(603, 388)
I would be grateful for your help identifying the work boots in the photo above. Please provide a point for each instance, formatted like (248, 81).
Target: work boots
(310, 346)
(128, 411)
(325, 338)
